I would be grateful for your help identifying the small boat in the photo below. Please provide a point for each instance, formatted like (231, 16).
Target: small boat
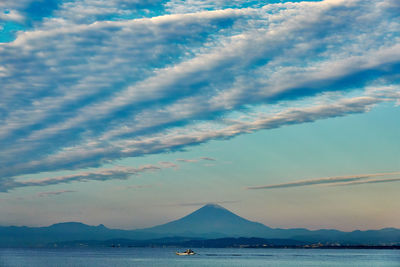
(187, 252)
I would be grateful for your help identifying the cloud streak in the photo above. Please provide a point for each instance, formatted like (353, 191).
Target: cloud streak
(187, 160)
(138, 186)
(332, 181)
(115, 173)
(369, 181)
(196, 160)
(54, 193)
(207, 159)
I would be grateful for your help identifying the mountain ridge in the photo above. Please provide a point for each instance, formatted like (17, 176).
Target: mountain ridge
(208, 222)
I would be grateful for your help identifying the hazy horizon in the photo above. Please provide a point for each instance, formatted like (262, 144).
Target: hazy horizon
(135, 113)
(199, 206)
(183, 216)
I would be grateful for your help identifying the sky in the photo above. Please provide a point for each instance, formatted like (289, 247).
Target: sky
(132, 113)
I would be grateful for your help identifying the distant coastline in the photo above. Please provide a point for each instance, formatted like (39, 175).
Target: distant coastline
(258, 243)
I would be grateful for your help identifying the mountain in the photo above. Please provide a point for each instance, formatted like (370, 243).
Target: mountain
(209, 222)
(14, 236)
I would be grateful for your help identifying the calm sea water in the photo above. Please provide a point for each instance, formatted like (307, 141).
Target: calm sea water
(206, 257)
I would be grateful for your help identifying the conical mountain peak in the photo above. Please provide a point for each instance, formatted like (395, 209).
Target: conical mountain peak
(213, 205)
(211, 218)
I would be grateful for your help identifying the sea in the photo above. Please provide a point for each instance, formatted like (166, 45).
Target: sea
(60, 257)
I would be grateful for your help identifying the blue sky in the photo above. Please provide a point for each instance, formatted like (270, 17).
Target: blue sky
(133, 113)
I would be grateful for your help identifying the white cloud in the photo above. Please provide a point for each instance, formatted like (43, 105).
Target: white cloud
(11, 15)
(79, 90)
(54, 193)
